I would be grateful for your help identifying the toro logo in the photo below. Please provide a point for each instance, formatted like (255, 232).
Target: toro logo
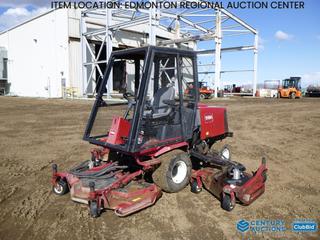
(243, 226)
(208, 118)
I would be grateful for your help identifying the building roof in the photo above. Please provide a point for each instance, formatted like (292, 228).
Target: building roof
(26, 21)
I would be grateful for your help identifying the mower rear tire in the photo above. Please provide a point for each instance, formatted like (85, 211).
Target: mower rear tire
(94, 209)
(293, 95)
(61, 187)
(174, 172)
(226, 203)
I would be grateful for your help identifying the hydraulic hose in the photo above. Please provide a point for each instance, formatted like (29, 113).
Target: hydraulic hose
(80, 171)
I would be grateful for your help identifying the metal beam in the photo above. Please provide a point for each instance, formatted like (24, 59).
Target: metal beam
(152, 25)
(238, 20)
(94, 62)
(95, 32)
(205, 21)
(230, 49)
(196, 11)
(124, 18)
(255, 64)
(199, 15)
(188, 39)
(217, 66)
(84, 56)
(109, 49)
(187, 21)
(129, 23)
(227, 71)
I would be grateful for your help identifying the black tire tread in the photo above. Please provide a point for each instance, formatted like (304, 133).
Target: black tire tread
(160, 176)
(225, 203)
(94, 210)
(64, 185)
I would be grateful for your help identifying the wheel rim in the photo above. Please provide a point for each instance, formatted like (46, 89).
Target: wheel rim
(225, 153)
(58, 188)
(179, 172)
(231, 206)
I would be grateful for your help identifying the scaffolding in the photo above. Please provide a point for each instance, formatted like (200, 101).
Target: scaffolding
(182, 28)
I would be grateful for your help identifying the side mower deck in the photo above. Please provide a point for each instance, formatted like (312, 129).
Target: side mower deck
(231, 183)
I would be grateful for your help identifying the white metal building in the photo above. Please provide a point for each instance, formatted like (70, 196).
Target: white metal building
(38, 54)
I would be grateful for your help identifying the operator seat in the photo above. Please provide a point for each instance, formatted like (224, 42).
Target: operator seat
(159, 108)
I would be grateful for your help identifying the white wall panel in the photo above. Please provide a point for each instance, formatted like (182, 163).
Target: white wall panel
(38, 55)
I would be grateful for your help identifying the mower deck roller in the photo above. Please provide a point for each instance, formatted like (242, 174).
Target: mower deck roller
(164, 140)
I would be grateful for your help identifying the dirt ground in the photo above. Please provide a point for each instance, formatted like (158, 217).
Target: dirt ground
(34, 133)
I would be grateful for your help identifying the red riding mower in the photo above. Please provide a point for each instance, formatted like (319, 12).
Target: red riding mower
(163, 141)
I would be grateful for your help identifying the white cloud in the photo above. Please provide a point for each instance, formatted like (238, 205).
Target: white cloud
(312, 78)
(14, 16)
(282, 36)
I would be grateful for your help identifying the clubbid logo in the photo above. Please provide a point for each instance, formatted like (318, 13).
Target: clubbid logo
(243, 225)
(304, 226)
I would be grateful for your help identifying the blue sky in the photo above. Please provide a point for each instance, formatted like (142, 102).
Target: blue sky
(289, 40)
(297, 52)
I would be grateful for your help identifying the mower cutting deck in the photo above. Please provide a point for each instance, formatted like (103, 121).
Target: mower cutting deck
(230, 183)
(106, 187)
(165, 140)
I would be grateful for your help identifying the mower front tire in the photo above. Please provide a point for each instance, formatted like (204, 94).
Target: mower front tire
(174, 172)
(94, 209)
(60, 188)
(226, 203)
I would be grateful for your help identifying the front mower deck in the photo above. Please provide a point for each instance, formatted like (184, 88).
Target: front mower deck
(115, 189)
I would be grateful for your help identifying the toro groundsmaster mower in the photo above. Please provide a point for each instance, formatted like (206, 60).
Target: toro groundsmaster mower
(163, 140)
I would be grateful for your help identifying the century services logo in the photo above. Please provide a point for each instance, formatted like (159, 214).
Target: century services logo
(243, 225)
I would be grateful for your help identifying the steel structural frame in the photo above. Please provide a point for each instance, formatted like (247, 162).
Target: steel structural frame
(213, 28)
